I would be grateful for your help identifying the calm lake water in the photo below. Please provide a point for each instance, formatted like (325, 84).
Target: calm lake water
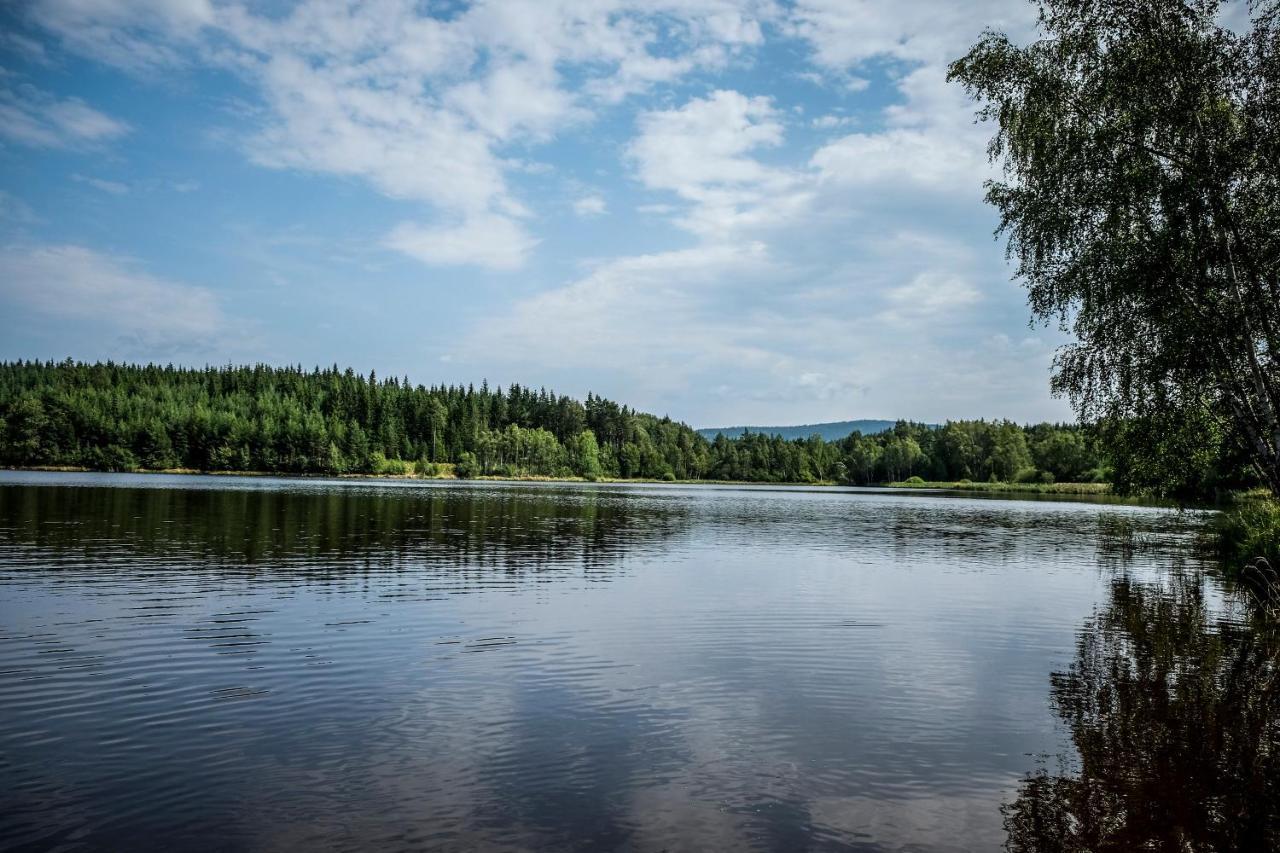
(201, 663)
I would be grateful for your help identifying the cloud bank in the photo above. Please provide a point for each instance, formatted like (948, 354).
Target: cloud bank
(794, 226)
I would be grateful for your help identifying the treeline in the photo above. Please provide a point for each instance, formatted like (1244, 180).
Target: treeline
(330, 421)
(999, 451)
(324, 421)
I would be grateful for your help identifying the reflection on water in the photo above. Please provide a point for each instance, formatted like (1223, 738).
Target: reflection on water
(1174, 713)
(223, 664)
(309, 527)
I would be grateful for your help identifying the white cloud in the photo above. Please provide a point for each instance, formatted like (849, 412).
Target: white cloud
(29, 49)
(845, 34)
(930, 298)
(643, 315)
(112, 187)
(704, 143)
(810, 318)
(589, 205)
(419, 107)
(134, 34)
(929, 140)
(902, 157)
(827, 122)
(16, 211)
(491, 241)
(736, 333)
(520, 99)
(397, 141)
(800, 267)
(75, 283)
(32, 117)
(703, 152)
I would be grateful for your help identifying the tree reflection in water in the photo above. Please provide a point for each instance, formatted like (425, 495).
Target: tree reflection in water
(1174, 711)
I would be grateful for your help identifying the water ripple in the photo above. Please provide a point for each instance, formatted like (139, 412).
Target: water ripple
(205, 664)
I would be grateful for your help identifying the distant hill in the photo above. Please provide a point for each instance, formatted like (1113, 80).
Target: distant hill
(829, 431)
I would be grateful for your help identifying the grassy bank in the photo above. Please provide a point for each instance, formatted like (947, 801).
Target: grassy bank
(1250, 528)
(445, 471)
(1026, 488)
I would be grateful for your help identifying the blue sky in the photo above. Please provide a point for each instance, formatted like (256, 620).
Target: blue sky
(726, 212)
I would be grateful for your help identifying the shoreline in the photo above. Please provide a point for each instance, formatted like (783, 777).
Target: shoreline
(1050, 489)
(1087, 489)
(448, 478)
(1071, 492)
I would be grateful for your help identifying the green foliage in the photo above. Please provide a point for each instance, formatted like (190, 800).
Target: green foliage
(334, 462)
(112, 458)
(1250, 529)
(289, 420)
(1140, 146)
(110, 416)
(583, 453)
(1009, 454)
(900, 455)
(1063, 454)
(1182, 455)
(388, 467)
(985, 451)
(467, 467)
(26, 423)
(515, 452)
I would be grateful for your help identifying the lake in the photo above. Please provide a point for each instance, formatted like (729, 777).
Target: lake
(206, 663)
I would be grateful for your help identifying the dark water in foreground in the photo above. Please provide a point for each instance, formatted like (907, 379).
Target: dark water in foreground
(229, 664)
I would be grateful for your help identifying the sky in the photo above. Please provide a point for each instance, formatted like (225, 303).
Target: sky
(726, 212)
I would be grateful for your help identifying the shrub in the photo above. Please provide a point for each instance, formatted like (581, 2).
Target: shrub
(383, 465)
(1250, 529)
(669, 476)
(914, 481)
(426, 469)
(1027, 475)
(113, 457)
(467, 466)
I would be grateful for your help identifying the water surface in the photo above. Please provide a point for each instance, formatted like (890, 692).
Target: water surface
(206, 663)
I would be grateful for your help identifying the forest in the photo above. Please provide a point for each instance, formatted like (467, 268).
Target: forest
(118, 417)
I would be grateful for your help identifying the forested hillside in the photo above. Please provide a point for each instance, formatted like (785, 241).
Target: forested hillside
(331, 421)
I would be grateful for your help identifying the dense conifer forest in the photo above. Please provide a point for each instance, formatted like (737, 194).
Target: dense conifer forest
(330, 421)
